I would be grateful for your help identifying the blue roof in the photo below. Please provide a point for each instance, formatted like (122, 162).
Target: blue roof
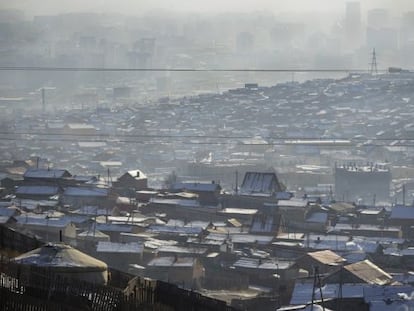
(37, 190)
(85, 192)
(402, 212)
(45, 173)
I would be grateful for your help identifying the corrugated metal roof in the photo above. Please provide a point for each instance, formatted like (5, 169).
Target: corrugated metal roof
(369, 272)
(256, 182)
(327, 257)
(262, 224)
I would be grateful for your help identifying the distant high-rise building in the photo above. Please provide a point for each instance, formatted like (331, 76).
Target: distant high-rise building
(353, 25)
(407, 29)
(379, 33)
(245, 42)
(378, 18)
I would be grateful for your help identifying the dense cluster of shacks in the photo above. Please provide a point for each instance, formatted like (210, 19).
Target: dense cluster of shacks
(261, 243)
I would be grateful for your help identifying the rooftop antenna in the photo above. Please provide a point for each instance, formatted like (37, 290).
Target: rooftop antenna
(43, 100)
(374, 68)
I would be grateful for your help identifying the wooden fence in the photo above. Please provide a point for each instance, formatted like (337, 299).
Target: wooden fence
(41, 289)
(15, 241)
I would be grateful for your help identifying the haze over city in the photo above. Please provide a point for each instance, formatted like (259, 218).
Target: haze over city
(132, 7)
(207, 155)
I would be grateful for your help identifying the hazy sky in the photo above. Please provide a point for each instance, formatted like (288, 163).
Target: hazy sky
(133, 7)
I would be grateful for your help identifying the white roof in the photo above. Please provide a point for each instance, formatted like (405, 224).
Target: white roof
(172, 262)
(293, 202)
(255, 263)
(302, 292)
(137, 174)
(80, 126)
(113, 247)
(241, 211)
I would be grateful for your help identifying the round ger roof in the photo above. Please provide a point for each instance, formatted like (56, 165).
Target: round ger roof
(59, 255)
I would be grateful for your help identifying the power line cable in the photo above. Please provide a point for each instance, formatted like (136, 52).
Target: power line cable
(148, 142)
(288, 139)
(102, 69)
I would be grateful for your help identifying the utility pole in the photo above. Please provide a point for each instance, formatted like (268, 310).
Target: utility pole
(317, 283)
(403, 193)
(374, 63)
(237, 182)
(339, 303)
(43, 100)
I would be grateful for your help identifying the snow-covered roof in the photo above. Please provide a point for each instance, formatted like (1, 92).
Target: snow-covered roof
(251, 238)
(59, 255)
(255, 263)
(137, 174)
(113, 247)
(303, 291)
(172, 262)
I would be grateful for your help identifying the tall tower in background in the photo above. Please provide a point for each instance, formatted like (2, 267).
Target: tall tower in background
(353, 25)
